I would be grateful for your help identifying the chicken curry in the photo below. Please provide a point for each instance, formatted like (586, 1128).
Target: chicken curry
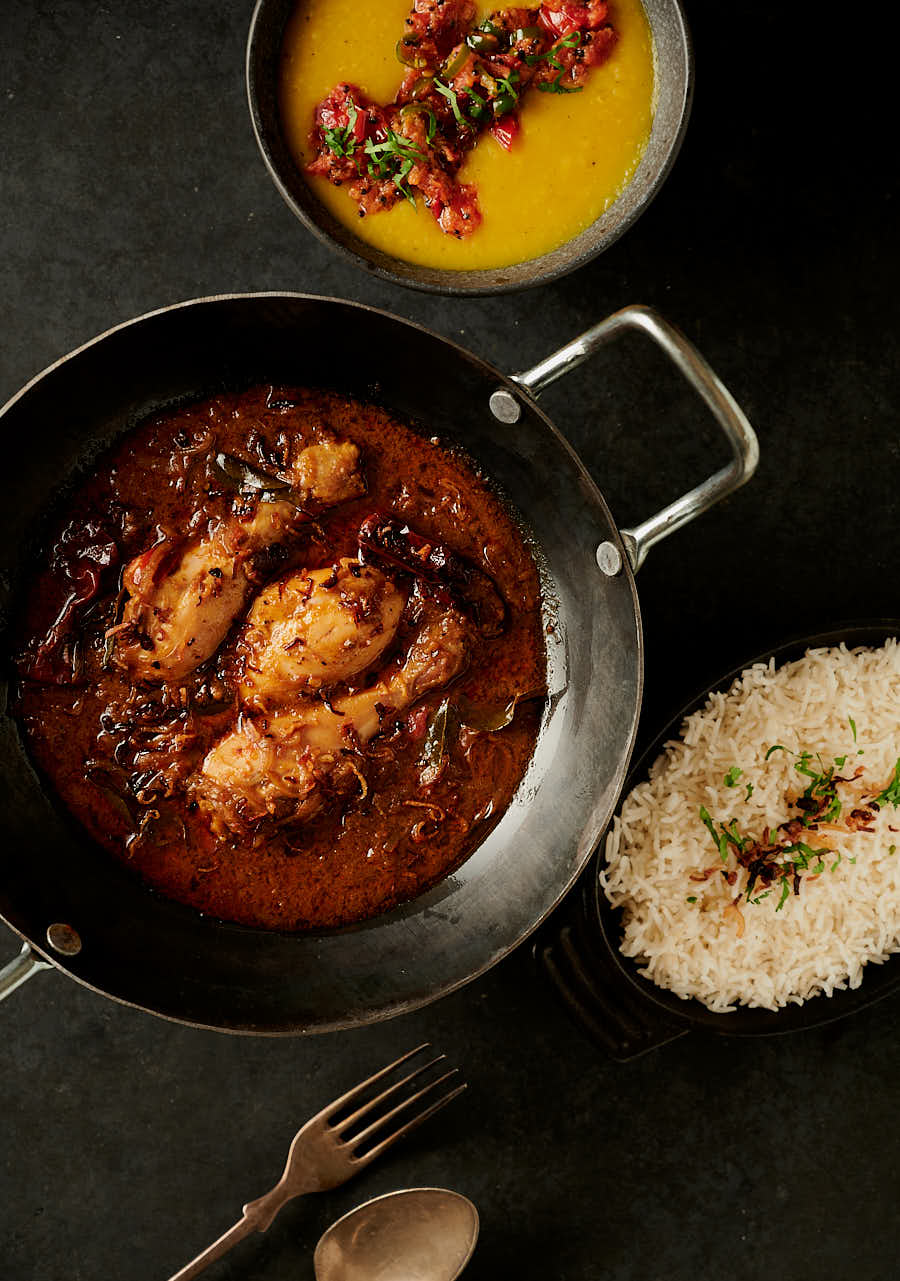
(285, 658)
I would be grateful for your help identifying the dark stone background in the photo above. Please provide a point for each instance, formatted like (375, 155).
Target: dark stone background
(129, 180)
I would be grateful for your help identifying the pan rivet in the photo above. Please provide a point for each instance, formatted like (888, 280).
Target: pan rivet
(609, 558)
(504, 406)
(63, 939)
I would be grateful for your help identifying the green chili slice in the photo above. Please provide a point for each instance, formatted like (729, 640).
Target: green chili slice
(482, 41)
(455, 62)
(410, 55)
(422, 86)
(419, 109)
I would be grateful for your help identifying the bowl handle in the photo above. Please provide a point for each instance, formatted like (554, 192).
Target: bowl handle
(575, 957)
(19, 970)
(687, 359)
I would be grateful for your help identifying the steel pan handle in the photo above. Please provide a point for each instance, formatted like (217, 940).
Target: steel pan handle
(19, 970)
(687, 359)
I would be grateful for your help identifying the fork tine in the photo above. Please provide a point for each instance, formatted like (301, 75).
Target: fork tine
(381, 1121)
(408, 1128)
(370, 1104)
(354, 1093)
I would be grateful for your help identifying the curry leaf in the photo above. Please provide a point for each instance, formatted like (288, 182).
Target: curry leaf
(443, 726)
(240, 476)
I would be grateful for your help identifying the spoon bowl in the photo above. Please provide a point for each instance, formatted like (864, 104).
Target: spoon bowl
(418, 1234)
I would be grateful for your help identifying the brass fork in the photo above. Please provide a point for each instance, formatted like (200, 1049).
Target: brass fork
(328, 1150)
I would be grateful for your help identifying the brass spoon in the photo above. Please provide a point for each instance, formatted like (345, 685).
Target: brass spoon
(420, 1234)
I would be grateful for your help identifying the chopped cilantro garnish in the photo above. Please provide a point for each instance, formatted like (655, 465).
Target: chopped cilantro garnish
(819, 802)
(852, 726)
(802, 766)
(571, 41)
(505, 101)
(891, 794)
(446, 92)
(832, 813)
(342, 141)
(396, 148)
(776, 857)
(336, 141)
(556, 86)
(692, 898)
(479, 105)
(725, 836)
(394, 158)
(733, 837)
(720, 839)
(804, 853)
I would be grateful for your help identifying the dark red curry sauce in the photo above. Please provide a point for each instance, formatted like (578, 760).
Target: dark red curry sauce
(122, 752)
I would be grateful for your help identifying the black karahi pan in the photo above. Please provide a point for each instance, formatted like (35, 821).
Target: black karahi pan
(623, 1012)
(81, 910)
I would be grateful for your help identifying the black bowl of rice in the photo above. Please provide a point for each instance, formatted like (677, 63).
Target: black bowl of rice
(750, 880)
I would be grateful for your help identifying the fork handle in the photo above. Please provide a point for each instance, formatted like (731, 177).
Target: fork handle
(241, 1229)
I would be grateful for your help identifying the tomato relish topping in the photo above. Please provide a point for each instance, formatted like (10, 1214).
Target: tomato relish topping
(461, 81)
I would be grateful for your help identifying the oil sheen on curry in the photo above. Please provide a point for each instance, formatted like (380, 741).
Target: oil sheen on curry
(285, 658)
(459, 135)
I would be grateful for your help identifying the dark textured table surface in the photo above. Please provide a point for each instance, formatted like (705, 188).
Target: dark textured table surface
(129, 180)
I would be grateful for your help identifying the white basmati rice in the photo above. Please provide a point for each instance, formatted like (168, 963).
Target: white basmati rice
(821, 938)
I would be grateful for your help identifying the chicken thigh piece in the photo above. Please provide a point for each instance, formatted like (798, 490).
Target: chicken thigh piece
(316, 628)
(183, 597)
(327, 473)
(180, 606)
(285, 765)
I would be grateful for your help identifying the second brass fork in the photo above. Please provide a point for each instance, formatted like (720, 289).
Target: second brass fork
(330, 1149)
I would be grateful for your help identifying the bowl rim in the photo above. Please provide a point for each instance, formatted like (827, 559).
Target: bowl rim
(478, 282)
